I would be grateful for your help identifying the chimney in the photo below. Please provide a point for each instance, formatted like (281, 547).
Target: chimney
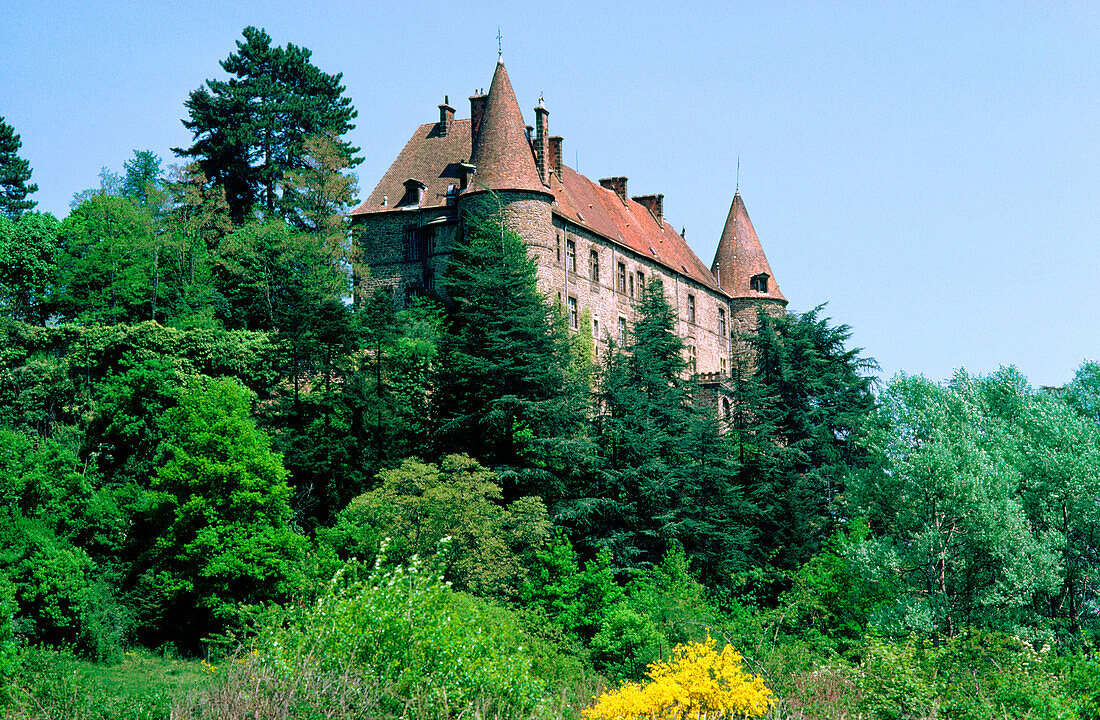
(618, 184)
(554, 156)
(542, 141)
(655, 204)
(477, 107)
(446, 117)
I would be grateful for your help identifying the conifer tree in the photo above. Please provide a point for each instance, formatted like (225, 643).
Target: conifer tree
(503, 360)
(14, 174)
(251, 130)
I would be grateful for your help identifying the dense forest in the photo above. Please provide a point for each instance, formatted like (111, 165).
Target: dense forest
(231, 487)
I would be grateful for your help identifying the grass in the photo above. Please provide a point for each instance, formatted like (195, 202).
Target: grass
(140, 686)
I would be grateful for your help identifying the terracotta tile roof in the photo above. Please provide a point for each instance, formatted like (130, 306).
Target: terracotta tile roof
(740, 257)
(429, 157)
(502, 152)
(627, 223)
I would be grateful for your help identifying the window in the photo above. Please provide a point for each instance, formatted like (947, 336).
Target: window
(594, 265)
(721, 322)
(557, 237)
(596, 328)
(622, 331)
(573, 317)
(691, 358)
(641, 282)
(691, 308)
(725, 409)
(630, 282)
(723, 365)
(419, 243)
(759, 283)
(622, 278)
(571, 256)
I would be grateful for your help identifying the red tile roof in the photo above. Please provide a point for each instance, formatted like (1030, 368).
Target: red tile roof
(502, 152)
(429, 157)
(740, 257)
(505, 161)
(626, 223)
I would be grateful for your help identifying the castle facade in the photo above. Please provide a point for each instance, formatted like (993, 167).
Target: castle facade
(595, 245)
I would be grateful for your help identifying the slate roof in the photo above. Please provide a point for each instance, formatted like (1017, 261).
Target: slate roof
(505, 161)
(740, 257)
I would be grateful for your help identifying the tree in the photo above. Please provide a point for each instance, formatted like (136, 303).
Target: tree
(221, 504)
(106, 264)
(28, 266)
(14, 174)
(801, 424)
(251, 130)
(317, 196)
(142, 181)
(503, 360)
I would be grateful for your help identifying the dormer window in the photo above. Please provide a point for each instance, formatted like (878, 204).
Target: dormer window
(414, 192)
(759, 283)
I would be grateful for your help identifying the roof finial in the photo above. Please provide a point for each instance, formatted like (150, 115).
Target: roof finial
(737, 187)
(500, 51)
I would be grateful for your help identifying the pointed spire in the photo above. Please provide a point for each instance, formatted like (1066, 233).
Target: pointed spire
(739, 265)
(502, 153)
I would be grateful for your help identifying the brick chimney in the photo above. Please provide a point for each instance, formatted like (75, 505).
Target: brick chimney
(542, 142)
(446, 117)
(477, 108)
(554, 156)
(654, 203)
(618, 184)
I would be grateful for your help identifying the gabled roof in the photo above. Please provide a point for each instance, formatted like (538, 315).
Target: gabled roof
(740, 257)
(502, 152)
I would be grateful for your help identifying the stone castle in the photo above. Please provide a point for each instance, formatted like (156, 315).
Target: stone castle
(595, 245)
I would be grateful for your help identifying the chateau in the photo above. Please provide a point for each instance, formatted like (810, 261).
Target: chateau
(596, 246)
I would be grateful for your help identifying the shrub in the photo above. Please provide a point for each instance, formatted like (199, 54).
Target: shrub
(696, 682)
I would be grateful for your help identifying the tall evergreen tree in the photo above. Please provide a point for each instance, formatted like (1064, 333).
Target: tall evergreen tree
(503, 359)
(14, 174)
(250, 131)
(801, 425)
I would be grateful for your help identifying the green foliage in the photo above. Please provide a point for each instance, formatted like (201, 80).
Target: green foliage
(250, 131)
(801, 426)
(399, 642)
(14, 174)
(222, 503)
(106, 265)
(28, 259)
(503, 361)
(416, 505)
(143, 179)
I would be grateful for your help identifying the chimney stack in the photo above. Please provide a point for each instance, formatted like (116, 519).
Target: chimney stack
(554, 156)
(477, 108)
(542, 142)
(655, 204)
(618, 184)
(446, 117)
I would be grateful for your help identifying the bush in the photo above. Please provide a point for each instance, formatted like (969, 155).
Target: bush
(398, 642)
(696, 682)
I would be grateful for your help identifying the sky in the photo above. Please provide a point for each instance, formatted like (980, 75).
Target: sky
(929, 170)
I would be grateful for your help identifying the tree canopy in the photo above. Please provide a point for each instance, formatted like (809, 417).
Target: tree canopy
(250, 130)
(14, 174)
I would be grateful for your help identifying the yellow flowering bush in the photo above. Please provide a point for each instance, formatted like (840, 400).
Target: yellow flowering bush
(696, 683)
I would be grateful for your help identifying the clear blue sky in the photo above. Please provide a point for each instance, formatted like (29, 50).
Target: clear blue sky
(929, 170)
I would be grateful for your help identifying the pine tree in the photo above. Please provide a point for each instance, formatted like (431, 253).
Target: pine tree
(251, 130)
(14, 174)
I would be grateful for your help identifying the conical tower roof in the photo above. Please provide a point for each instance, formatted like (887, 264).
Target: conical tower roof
(502, 153)
(740, 258)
